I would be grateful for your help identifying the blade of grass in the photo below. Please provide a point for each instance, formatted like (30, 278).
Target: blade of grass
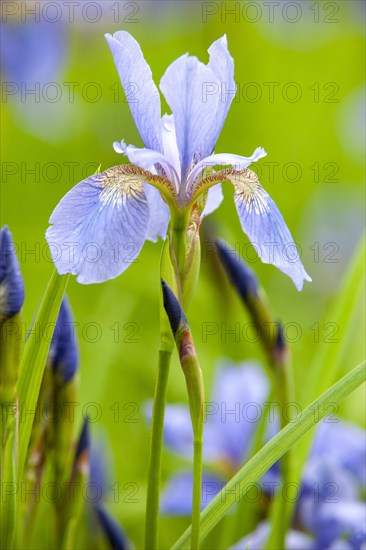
(236, 488)
(33, 362)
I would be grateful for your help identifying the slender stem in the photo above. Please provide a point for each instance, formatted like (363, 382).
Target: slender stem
(197, 492)
(281, 512)
(157, 429)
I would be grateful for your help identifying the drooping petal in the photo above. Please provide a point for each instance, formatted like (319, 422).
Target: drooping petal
(222, 65)
(238, 162)
(177, 496)
(261, 221)
(141, 92)
(184, 86)
(148, 159)
(100, 226)
(214, 199)
(159, 215)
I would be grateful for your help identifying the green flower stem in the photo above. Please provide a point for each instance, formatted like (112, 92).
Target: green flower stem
(282, 510)
(153, 484)
(253, 470)
(197, 491)
(195, 388)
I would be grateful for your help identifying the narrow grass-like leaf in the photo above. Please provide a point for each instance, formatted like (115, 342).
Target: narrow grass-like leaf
(253, 470)
(34, 360)
(326, 365)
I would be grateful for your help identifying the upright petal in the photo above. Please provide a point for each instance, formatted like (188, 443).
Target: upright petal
(170, 142)
(184, 85)
(141, 92)
(222, 65)
(100, 226)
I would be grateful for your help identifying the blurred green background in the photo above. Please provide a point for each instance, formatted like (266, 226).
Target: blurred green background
(300, 72)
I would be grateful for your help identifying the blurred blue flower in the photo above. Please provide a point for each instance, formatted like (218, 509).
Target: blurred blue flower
(117, 210)
(231, 418)
(63, 354)
(11, 281)
(330, 505)
(295, 540)
(330, 513)
(99, 474)
(33, 54)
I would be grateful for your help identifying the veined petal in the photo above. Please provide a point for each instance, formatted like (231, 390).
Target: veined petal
(147, 159)
(214, 199)
(170, 142)
(184, 86)
(141, 92)
(225, 159)
(262, 222)
(100, 226)
(159, 214)
(222, 65)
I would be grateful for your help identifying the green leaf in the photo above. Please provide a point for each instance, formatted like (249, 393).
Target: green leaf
(271, 452)
(34, 360)
(328, 359)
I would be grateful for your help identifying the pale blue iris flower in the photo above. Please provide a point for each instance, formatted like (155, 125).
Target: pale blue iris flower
(100, 226)
(330, 511)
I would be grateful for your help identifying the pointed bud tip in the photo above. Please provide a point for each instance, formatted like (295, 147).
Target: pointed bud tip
(240, 275)
(84, 439)
(11, 281)
(173, 308)
(64, 354)
(111, 529)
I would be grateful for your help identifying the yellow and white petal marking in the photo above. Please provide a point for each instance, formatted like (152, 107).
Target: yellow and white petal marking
(129, 179)
(261, 221)
(101, 224)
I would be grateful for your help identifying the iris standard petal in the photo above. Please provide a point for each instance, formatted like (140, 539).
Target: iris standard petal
(141, 92)
(100, 226)
(222, 65)
(159, 215)
(184, 86)
(214, 199)
(170, 142)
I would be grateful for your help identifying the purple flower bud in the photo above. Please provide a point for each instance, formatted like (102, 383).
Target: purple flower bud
(111, 529)
(240, 275)
(63, 354)
(84, 441)
(11, 281)
(173, 308)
